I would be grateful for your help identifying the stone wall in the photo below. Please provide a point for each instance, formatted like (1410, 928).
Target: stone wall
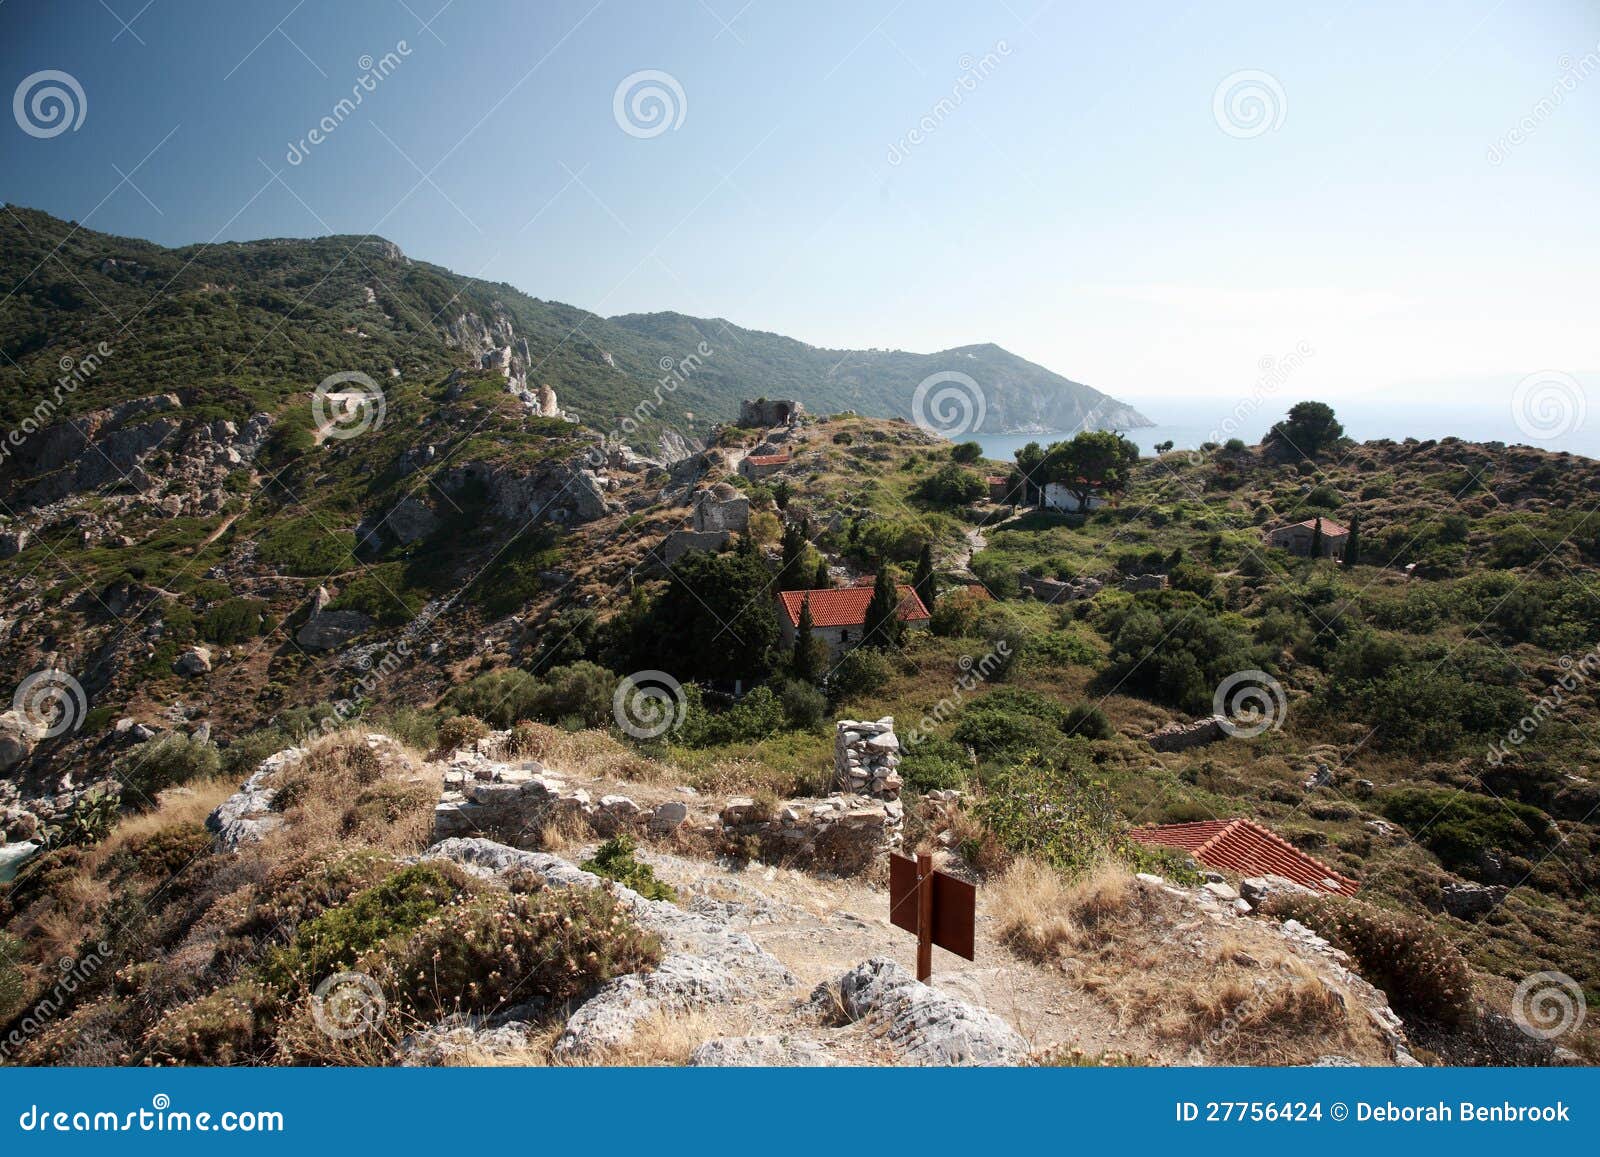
(1054, 591)
(866, 758)
(721, 512)
(512, 801)
(1145, 582)
(1183, 736)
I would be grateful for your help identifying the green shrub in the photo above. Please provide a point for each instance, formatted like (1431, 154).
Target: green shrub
(615, 860)
(953, 485)
(13, 986)
(1087, 721)
(233, 621)
(803, 705)
(935, 764)
(230, 1026)
(305, 546)
(581, 689)
(1418, 968)
(1052, 812)
(752, 719)
(336, 938)
(1459, 827)
(858, 673)
(457, 732)
(497, 949)
(157, 764)
(498, 697)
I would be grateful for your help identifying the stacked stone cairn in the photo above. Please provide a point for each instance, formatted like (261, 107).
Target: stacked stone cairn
(866, 758)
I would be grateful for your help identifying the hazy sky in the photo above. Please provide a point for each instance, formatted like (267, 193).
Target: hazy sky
(1413, 196)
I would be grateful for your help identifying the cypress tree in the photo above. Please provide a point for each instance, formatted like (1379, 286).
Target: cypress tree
(1352, 544)
(922, 581)
(804, 660)
(821, 581)
(882, 626)
(791, 573)
(1316, 539)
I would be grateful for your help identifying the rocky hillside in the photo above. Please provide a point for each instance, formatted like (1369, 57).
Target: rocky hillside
(264, 318)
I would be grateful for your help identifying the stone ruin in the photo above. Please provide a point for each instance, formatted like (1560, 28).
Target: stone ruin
(512, 800)
(767, 412)
(1049, 590)
(1176, 736)
(719, 511)
(866, 758)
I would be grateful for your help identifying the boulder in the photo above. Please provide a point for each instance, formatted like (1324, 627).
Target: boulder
(194, 661)
(17, 737)
(929, 1027)
(759, 1052)
(1467, 901)
(326, 630)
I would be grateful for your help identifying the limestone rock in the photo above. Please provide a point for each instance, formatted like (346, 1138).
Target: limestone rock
(194, 661)
(928, 1026)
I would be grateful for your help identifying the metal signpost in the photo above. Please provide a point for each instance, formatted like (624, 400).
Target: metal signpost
(937, 907)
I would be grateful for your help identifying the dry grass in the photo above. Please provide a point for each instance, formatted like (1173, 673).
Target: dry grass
(1029, 902)
(565, 832)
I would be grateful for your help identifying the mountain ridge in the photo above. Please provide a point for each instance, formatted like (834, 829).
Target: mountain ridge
(602, 367)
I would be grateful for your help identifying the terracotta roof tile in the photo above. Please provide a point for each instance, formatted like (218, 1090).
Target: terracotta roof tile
(1243, 846)
(1329, 526)
(847, 606)
(768, 459)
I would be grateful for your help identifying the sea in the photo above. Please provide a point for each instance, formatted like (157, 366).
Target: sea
(1190, 421)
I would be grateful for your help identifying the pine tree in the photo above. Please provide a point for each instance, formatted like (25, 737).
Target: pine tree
(882, 626)
(1352, 544)
(804, 660)
(1316, 539)
(822, 580)
(922, 580)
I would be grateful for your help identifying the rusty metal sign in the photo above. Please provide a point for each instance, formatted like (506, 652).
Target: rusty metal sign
(936, 907)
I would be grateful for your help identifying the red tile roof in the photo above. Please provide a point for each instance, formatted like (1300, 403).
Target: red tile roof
(769, 459)
(1329, 526)
(1246, 847)
(847, 606)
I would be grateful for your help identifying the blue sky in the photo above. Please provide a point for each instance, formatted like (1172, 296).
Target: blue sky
(1085, 203)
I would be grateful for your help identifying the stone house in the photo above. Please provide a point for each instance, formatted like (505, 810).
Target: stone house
(1296, 538)
(839, 616)
(1058, 497)
(999, 487)
(758, 466)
